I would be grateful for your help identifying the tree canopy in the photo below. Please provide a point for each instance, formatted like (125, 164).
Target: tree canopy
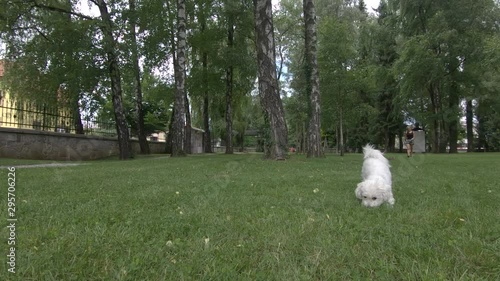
(431, 62)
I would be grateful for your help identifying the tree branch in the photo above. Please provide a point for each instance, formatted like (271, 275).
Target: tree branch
(31, 28)
(41, 33)
(61, 10)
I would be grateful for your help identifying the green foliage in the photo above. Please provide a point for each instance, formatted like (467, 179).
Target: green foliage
(156, 20)
(377, 71)
(442, 45)
(51, 56)
(157, 105)
(488, 112)
(348, 75)
(297, 118)
(209, 42)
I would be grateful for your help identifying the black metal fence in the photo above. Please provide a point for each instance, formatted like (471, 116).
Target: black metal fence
(27, 115)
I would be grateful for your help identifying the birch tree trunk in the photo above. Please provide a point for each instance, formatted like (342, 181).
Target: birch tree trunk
(114, 74)
(179, 106)
(141, 134)
(314, 148)
(268, 83)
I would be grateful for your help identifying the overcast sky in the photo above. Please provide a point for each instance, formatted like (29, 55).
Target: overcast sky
(371, 4)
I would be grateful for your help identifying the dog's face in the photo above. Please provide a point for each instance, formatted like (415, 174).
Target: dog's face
(372, 193)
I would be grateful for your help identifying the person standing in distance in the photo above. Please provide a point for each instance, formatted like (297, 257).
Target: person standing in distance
(409, 140)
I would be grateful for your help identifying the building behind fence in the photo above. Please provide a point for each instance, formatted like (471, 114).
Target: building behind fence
(32, 130)
(42, 117)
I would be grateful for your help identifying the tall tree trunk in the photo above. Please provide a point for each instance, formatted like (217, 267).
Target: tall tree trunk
(187, 140)
(268, 83)
(303, 137)
(207, 139)
(178, 134)
(400, 138)
(452, 117)
(387, 136)
(435, 122)
(168, 147)
(139, 112)
(482, 144)
(300, 136)
(170, 134)
(341, 147)
(314, 148)
(77, 118)
(114, 74)
(392, 142)
(387, 119)
(73, 96)
(469, 122)
(439, 135)
(443, 142)
(229, 90)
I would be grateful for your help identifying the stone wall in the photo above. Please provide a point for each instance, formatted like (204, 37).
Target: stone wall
(42, 145)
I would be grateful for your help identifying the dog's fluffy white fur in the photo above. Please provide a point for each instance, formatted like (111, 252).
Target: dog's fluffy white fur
(376, 187)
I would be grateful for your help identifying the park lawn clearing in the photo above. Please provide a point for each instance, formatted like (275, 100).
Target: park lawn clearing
(238, 217)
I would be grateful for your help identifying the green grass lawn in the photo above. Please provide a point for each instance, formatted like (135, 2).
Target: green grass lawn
(238, 217)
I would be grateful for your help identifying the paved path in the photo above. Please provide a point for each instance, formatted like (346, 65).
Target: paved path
(48, 165)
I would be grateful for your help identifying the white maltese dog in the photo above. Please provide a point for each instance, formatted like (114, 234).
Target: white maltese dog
(376, 186)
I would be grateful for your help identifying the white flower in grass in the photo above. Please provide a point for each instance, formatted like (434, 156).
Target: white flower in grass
(181, 213)
(177, 193)
(461, 219)
(316, 190)
(169, 243)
